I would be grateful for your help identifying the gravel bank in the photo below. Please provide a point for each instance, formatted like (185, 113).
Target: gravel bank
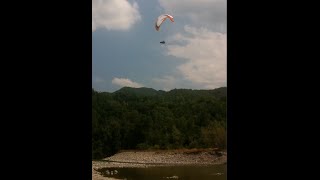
(142, 159)
(172, 157)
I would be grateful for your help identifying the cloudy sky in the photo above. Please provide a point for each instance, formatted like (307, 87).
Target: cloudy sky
(126, 49)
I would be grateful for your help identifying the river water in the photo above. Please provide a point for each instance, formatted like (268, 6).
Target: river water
(211, 172)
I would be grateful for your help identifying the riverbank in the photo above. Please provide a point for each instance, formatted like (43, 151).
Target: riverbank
(143, 159)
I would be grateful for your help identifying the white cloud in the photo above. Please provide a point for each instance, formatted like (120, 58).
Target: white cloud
(114, 14)
(126, 82)
(207, 13)
(204, 53)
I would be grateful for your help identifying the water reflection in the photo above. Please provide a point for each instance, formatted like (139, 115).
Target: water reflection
(212, 172)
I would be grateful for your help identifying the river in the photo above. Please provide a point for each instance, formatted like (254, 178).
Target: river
(210, 172)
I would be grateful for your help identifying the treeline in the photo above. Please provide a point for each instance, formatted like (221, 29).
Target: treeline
(143, 118)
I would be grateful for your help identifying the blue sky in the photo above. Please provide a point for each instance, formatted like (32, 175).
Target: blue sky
(126, 49)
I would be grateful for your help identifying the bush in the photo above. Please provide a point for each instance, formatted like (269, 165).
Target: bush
(142, 146)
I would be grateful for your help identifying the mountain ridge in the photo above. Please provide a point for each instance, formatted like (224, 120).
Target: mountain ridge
(221, 91)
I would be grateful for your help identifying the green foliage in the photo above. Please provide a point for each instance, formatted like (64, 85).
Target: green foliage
(214, 135)
(143, 118)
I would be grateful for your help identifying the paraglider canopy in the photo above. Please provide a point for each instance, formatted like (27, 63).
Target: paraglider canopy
(161, 19)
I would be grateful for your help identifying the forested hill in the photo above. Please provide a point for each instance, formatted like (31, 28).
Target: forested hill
(139, 91)
(144, 118)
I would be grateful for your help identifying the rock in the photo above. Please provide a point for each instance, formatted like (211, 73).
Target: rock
(173, 177)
